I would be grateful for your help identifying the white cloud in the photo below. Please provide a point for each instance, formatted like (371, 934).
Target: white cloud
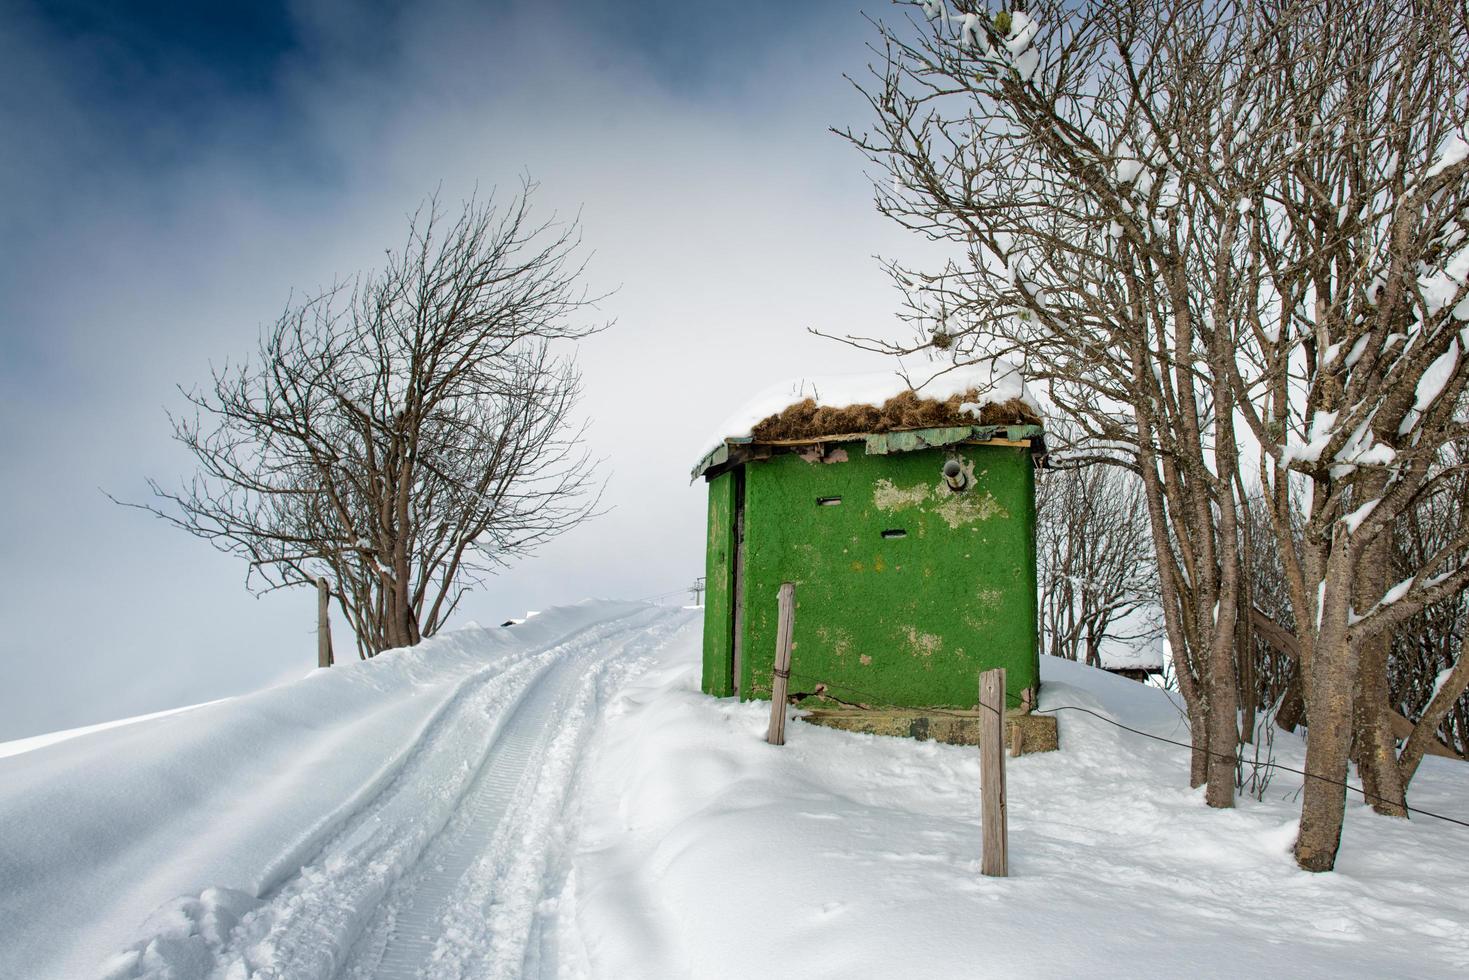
(728, 216)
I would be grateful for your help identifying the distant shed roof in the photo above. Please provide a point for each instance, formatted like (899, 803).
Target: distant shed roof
(975, 402)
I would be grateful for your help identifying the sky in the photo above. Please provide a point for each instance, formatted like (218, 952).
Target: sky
(174, 173)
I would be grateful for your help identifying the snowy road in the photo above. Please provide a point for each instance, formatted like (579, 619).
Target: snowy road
(455, 867)
(475, 901)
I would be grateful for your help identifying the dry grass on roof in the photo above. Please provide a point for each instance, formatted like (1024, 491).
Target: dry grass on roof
(807, 420)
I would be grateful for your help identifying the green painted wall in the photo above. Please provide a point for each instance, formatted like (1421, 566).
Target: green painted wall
(719, 594)
(903, 621)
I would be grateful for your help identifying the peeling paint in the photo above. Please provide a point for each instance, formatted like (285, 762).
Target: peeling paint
(818, 453)
(956, 509)
(887, 496)
(923, 644)
(979, 624)
(969, 508)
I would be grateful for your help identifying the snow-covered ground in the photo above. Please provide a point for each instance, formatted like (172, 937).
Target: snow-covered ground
(557, 799)
(707, 853)
(300, 814)
(31, 743)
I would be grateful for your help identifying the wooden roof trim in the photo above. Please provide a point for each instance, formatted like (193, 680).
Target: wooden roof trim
(736, 451)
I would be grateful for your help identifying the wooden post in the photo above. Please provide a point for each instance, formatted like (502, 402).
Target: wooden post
(995, 860)
(323, 624)
(785, 626)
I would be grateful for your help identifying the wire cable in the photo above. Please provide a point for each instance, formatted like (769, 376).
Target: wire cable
(1367, 797)
(663, 595)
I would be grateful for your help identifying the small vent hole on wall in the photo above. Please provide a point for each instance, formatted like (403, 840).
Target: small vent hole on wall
(896, 532)
(828, 501)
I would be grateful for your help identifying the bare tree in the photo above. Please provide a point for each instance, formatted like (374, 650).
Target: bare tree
(1428, 674)
(1213, 229)
(406, 434)
(1349, 373)
(1096, 561)
(1032, 158)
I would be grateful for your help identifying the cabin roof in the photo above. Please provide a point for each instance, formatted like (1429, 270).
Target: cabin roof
(986, 401)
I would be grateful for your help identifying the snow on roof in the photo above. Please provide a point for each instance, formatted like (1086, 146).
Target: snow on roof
(1147, 657)
(996, 380)
(1136, 640)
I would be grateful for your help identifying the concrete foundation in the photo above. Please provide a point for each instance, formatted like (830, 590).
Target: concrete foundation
(1024, 732)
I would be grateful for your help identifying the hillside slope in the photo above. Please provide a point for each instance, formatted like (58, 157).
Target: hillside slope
(145, 845)
(558, 800)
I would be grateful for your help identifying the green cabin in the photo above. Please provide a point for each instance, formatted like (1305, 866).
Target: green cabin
(913, 552)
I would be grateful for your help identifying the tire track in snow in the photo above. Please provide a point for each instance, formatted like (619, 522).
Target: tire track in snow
(308, 929)
(476, 902)
(305, 927)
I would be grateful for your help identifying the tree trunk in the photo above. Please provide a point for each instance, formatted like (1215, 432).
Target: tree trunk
(1198, 763)
(1223, 717)
(1330, 674)
(1245, 655)
(324, 656)
(1328, 742)
(1173, 614)
(1376, 749)
(1193, 702)
(1426, 730)
(1198, 722)
(1292, 709)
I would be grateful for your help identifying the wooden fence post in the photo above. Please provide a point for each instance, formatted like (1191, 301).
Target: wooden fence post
(995, 860)
(785, 626)
(323, 624)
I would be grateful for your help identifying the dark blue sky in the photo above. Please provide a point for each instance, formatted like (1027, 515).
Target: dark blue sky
(155, 49)
(147, 81)
(184, 57)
